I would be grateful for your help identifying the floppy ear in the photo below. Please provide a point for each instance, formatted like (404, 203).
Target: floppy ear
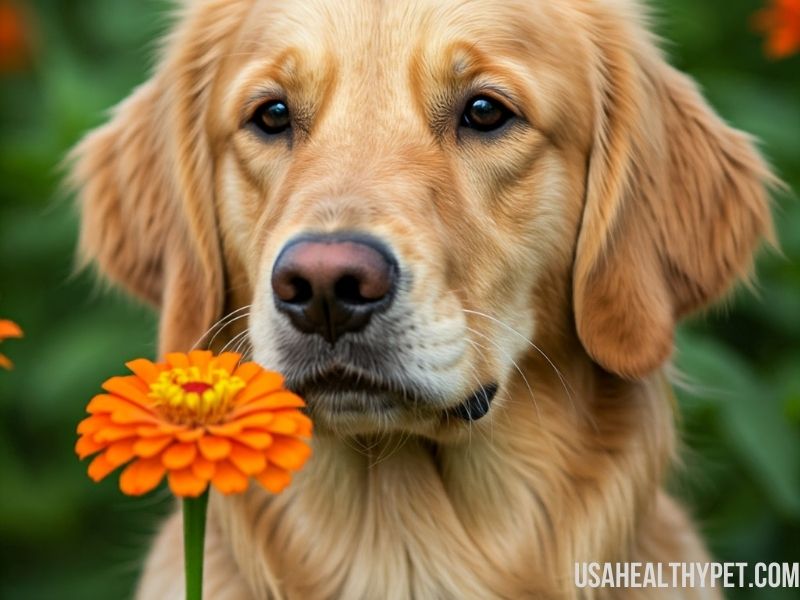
(145, 184)
(675, 206)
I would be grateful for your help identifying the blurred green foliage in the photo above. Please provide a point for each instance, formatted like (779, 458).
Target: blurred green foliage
(63, 537)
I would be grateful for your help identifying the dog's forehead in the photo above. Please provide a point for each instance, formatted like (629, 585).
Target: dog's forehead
(365, 34)
(375, 52)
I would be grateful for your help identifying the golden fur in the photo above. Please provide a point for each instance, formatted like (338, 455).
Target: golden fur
(555, 259)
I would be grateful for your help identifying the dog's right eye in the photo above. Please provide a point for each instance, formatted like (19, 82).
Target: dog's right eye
(272, 117)
(485, 114)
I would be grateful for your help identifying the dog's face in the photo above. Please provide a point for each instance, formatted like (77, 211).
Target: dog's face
(408, 195)
(418, 141)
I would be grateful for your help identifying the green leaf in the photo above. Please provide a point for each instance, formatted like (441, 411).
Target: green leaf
(752, 418)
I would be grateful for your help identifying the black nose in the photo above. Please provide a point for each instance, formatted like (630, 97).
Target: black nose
(331, 284)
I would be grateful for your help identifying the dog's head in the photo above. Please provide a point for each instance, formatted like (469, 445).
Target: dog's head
(407, 196)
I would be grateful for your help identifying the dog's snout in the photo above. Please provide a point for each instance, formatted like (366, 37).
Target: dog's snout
(332, 284)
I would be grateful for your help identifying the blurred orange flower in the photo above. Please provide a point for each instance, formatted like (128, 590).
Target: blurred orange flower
(780, 22)
(14, 37)
(8, 329)
(196, 418)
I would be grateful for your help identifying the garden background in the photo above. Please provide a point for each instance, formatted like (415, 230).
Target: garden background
(62, 536)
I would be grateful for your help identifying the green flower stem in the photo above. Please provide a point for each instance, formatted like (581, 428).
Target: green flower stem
(194, 534)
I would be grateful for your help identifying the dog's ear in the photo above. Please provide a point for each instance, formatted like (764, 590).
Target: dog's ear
(145, 183)
(675, 206)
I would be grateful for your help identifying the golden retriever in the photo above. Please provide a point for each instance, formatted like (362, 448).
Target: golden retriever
(464, 230)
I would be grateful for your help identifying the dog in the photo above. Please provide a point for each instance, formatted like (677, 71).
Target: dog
(464, 231)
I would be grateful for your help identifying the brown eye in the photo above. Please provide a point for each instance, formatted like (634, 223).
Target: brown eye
(272, 117)
(485, 114)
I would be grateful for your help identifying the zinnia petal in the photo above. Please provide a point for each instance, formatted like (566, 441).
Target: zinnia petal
(274, 478)
(105, 403)
(203, 468)
(270, 402)
(114, 433)
(246, 371)
(179, 456)
(214, 448)
(120, 452)
(9, 329)
(86, 446)
(288, 453)
(100, 467)
(190, 435)
(126, 414)
(304, 424)
(185, 483)
(141, 476)
(150, 446)
(159, 430)
(124, 388)
(282, 424)
(247, 460)
(145, 369)
(177, 360)
(227, 361)
(255, 439)
(226, 429)
(93, 423)
(262, 384)
(261, 419)
(228, 479)
(200, 358)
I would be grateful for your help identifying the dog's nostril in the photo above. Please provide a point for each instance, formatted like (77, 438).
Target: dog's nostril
(302, 291)
(348, 290)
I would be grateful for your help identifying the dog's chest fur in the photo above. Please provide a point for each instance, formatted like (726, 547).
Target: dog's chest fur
(501, 516)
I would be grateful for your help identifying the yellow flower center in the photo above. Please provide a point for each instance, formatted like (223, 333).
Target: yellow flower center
(191, 396)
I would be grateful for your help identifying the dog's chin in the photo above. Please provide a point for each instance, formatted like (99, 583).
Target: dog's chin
(357, 408)
(369, 409)
(357, 412)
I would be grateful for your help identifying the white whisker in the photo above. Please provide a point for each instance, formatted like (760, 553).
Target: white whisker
(561, 377)
(234, 339)
(230, 322)
(240, 347)
(220, 324)
(513, 362)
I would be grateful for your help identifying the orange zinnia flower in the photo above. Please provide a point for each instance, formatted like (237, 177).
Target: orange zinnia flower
(197, 419)
(8, 329)
(781, 23)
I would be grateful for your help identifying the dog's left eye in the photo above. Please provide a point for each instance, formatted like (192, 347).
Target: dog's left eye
(272, 117)
(483, 113)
